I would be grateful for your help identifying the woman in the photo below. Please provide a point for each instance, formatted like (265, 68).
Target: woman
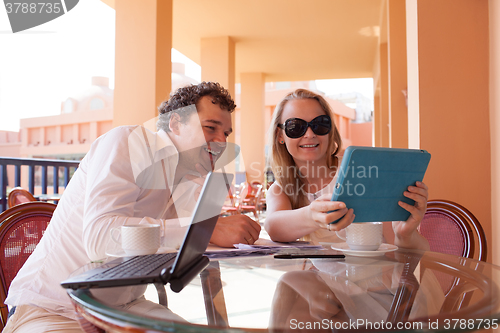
(304, 146)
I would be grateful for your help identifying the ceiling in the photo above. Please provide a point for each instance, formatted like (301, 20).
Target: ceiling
(287, 40)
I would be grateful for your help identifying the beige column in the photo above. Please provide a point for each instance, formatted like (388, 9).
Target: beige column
(397, 79)
(76, 134)
(218, 61)
(218, 64)
(448, 43)
(377, 136)
(143, 59)
(252, 117)
(384, 139)
(413, 74)
(494, 19)
(43, 141)
(58, 134)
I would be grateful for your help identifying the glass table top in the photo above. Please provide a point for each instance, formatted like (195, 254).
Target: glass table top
(405, 290)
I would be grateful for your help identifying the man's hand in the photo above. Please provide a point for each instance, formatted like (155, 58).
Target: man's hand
(235, 229)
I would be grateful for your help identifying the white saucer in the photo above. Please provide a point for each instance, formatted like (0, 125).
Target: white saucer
(118, 252)
(384, 248)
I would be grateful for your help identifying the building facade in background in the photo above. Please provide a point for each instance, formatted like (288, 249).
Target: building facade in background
(89, 114)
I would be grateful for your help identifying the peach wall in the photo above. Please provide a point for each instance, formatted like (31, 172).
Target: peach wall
(453, 70)
(362, 134)
(494, 20)
(64, 134)
(10, 149)
(10, 145)
(10, 137)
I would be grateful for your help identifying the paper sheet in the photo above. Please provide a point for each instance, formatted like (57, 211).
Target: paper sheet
(260, 247)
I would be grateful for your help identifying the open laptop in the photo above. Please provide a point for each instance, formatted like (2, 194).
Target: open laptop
(178, 269)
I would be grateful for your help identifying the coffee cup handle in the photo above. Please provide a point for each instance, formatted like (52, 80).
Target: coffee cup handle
(116, 235)
(341, 234)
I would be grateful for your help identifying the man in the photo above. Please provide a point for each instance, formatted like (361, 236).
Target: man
(129, 176)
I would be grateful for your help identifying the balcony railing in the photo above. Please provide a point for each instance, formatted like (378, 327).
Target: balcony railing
(32, 163)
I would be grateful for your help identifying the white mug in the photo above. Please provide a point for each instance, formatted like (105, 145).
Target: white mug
(363, 236)
(137, 239)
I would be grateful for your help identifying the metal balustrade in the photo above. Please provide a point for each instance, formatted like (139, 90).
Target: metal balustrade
(32, 163)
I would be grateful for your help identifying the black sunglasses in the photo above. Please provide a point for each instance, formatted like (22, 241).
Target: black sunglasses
(296, 127)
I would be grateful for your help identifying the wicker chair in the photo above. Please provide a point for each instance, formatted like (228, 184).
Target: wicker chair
(248, 199)
(19, 195)
(230, 207)
(464, 235)
(451, 229)
(21, 228)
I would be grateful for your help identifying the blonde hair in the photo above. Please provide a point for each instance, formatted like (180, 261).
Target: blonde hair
(279, 157)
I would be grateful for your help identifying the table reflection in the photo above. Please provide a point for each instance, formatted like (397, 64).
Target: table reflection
(402, 291)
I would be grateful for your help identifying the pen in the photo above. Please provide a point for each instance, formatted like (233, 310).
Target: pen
(298, 256)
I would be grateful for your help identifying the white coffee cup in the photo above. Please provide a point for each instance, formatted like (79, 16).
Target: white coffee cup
(363, 236)
(137, 239)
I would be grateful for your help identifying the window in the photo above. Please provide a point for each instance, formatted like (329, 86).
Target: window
(96, 104)
(68, 106)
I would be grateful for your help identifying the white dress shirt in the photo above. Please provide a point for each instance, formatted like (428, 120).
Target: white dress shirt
(126, 178)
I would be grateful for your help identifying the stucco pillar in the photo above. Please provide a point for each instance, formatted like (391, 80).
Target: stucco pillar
(252, 115)
(58, 134)
(448, 57)
(93, 131)
(376, 136)
(43, 136)
(383, 116)
(76, 134)
(494, 19)
(143, 64)
(397, 79)
(218, 64)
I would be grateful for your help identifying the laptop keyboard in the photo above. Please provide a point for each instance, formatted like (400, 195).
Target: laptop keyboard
(141, 265)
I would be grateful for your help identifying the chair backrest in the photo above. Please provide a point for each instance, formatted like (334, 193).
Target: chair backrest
(21, 228)
(19, 195)
(451, 228)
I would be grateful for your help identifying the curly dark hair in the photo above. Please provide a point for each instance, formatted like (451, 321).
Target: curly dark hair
(190, 95)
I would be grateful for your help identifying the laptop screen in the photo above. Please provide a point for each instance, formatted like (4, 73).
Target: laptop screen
(203, 221)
